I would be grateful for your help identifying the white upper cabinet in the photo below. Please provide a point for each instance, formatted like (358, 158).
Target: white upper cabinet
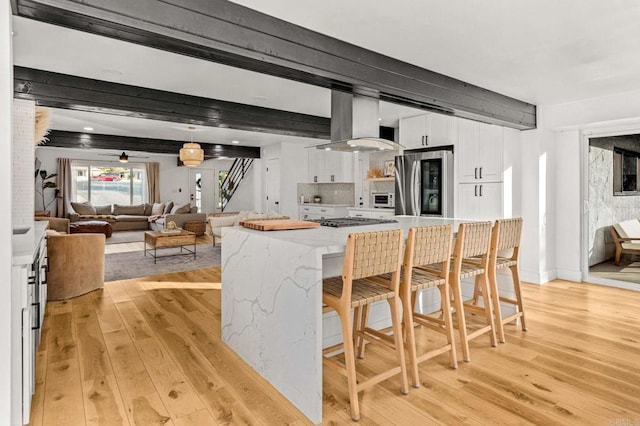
(479, 152)
(330, 166)
(428, 130)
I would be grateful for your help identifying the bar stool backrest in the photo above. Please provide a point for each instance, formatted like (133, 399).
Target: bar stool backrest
(372, 253)
(475, 237)
(510, 231)
(428, 245)
(472, 240)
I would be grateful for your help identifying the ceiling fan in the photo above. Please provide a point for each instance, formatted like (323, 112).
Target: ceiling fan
(123, 158)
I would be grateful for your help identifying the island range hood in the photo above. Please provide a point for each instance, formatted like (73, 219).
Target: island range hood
(355, 125)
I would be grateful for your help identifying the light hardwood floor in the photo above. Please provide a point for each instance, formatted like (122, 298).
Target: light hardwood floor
(148, 351)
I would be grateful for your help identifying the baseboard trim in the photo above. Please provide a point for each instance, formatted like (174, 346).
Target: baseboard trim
(565, 274)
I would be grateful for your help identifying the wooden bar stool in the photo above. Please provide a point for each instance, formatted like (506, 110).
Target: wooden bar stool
(506, 235)
(426, 264)
(471, 259)
(367, 256)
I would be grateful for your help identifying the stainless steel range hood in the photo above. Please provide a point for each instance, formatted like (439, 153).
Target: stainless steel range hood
(355, 125)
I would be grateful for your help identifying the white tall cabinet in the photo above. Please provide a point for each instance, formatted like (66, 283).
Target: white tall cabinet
(479, 162)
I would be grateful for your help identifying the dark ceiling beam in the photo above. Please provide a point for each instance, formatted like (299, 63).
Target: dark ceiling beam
(62, 139)
(225, 32)
(84, 94)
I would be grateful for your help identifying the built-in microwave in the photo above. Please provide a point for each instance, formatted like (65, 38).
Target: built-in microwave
(383, 199)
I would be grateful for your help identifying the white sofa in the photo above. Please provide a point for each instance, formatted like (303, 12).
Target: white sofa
(217, 221)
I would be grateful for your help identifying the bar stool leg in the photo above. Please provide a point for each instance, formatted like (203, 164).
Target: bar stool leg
(495, 296)
(361, 342)
(398, 342)
(410, 336)
(462, 324)
(448, 323)
(350, 364)
(488, 310)
(516, 286)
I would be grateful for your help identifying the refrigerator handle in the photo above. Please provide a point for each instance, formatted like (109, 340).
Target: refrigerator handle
(415, 183)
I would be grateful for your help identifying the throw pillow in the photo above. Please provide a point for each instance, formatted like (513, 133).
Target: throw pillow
(147, 209)
(51, 233)
(168, 207)
(157, 209)
(103, 209)
(185, 208)
(131, 210)
(83, 208)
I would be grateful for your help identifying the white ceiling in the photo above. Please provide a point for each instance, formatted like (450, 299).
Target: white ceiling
(542, 52)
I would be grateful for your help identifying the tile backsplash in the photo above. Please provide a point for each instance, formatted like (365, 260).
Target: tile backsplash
(330, 193)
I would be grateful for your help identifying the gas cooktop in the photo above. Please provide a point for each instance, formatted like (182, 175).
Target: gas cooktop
(342, 222)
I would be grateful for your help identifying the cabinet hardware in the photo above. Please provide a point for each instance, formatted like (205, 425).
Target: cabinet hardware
(422, 140)
(475, 173)
(315, 178)
(37, 316)
(475, 190)
(426, 140)
(480, 172)
(333, 178)
(481, 190)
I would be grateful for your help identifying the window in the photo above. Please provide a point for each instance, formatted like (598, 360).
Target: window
(106, 183)
(625, 172)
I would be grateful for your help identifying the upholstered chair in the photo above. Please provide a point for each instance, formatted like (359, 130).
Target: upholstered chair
(76, 264)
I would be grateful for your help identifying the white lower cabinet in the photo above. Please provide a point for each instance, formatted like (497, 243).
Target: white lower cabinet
(480, 201)
(372, 214)
(320, 212)
(28, 302)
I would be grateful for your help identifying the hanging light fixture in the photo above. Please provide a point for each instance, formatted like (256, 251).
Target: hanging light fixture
(191, 154)
(124, 158)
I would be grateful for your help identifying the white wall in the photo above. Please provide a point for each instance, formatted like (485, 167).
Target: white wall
(6, 97)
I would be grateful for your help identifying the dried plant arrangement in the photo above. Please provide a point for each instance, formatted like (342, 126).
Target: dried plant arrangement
(43, 117)
(375, 172)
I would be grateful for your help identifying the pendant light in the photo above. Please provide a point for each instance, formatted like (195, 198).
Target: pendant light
(191, 154)
(124, 158)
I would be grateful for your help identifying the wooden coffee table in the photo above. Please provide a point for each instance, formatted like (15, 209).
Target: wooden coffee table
(157, 239)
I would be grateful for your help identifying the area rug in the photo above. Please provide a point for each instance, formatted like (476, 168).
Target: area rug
(122, 266)
(119, 237)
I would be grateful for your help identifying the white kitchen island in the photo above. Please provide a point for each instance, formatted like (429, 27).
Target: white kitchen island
(272, 302)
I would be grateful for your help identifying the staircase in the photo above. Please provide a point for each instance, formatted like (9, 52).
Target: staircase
(235, 175)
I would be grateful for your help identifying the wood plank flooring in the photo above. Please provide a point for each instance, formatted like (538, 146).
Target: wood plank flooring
(148, 351)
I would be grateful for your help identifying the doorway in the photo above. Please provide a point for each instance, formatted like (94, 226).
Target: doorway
(273, 185)
(202, 189)
(610, 197)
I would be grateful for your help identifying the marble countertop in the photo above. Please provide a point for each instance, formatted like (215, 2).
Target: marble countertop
(333, 240)
(26, 245)
(373, 209)
(325, 205)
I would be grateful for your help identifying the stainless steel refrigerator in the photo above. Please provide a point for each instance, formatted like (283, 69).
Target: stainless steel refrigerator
(424, 183)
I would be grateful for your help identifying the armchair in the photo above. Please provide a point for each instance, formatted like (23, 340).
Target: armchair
(76, 264)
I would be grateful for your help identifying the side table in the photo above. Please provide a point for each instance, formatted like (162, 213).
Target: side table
(195, 226)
